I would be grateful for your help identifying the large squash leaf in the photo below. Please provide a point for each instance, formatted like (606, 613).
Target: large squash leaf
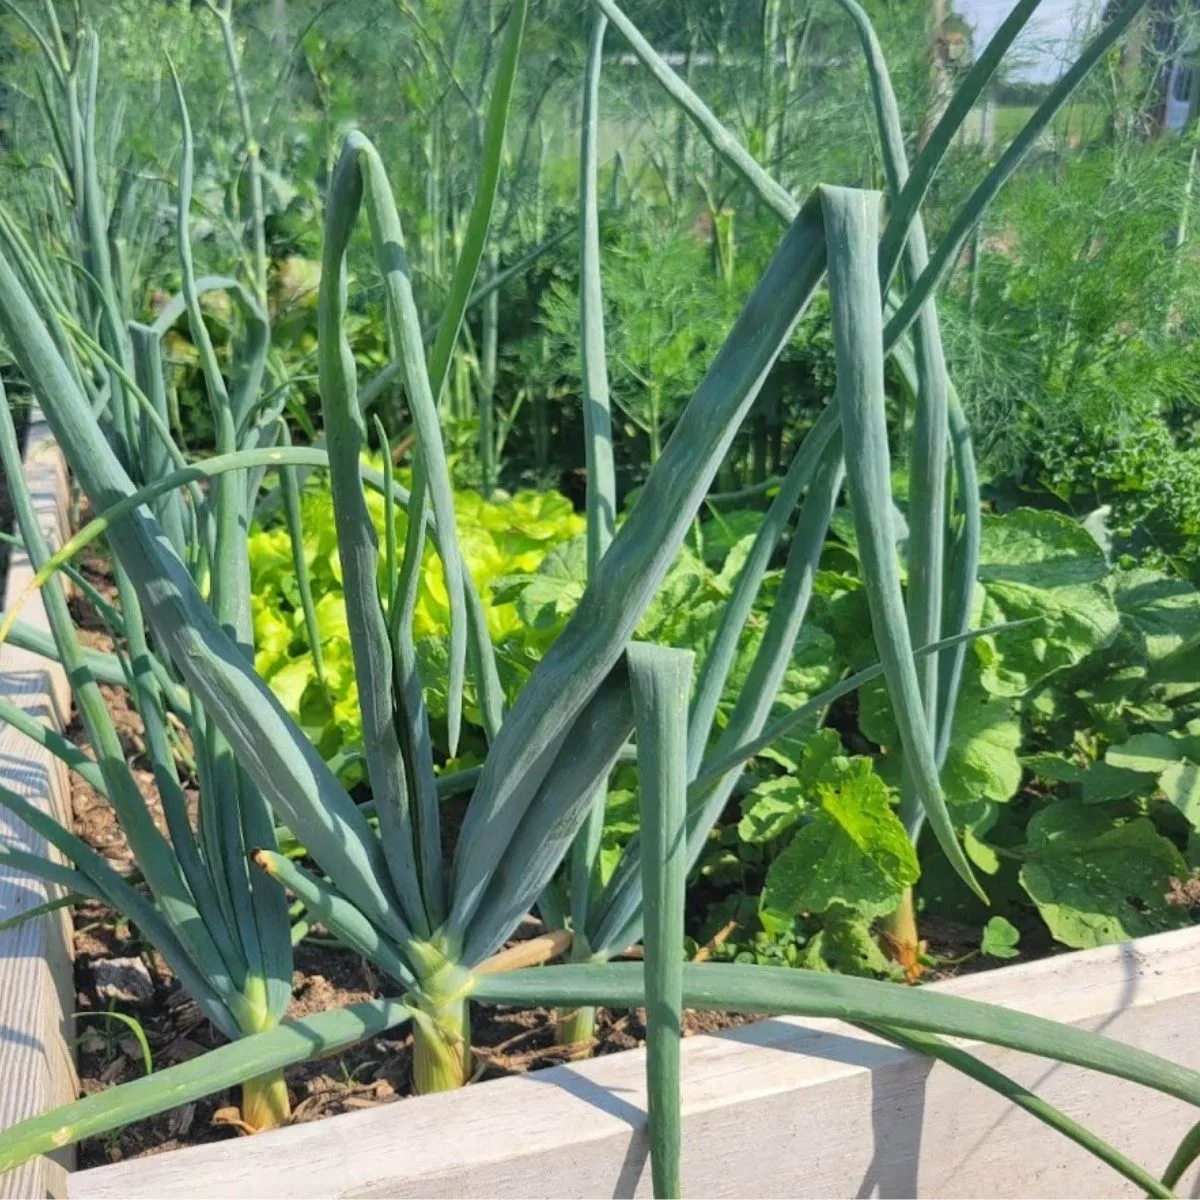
(982, 762)
(1043, 565)
(854, 852)
(1095, 883)
(1159, 613)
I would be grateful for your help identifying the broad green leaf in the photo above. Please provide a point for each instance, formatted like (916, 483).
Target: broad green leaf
(1146, 753)
(979, 852)
(725, 530)
(553, 593)
(1160, 612)
(814, 666)
(982, 761)
(1187, 740)
(840, 606)
(291, 681)
(504, 541)
(621, 812)
(687, 583)
(1180, 783)
(1000, 938)
(846, 945)
(734, 562)
(855, 852)
(1095, 883)
(771, 810)
(1103, 782)
(1054, 767)
(1064, 823)
(806, 756)
(1041, 564)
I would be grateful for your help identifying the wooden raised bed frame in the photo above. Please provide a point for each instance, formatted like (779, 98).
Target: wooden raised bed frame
(37, 1069)
(781, 1108)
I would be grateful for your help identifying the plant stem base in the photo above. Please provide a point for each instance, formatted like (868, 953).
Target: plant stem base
(442, 1050)
(900, 939)
(577, 1029)
(265, 1103)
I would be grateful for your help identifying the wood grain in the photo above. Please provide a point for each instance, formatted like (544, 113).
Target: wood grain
(37, 1069)
(785, 1107)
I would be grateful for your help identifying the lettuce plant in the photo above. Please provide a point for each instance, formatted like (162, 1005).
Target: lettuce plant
(311, 668)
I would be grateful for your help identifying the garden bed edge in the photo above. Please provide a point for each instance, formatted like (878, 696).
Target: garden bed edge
(37, 1067)
(783, 1107)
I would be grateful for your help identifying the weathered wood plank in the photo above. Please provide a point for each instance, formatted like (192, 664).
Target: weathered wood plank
(37, 1069)
(781, 1108)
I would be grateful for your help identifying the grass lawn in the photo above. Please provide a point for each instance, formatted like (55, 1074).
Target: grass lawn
(1080, 122)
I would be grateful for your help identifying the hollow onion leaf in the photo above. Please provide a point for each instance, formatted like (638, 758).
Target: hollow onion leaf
(277, 754)
(157, 461)
(46, 869)
(50, 739)
(162, 870)
(734, 987)
(909, 192)
(619, 923)
(336, 913)
(287, 1043)
(601, 496)
(660, 682)
(466, 270)
(851, 223)
(590, 749)
(969, 213)
(69, 900)
(718, 662)
(220, 1002)
(927, 449)
(1185, 1154)
(289, 488)
(358, 546)
(234, 810)
(718, 136)
(635, 563)
(1021, 1097)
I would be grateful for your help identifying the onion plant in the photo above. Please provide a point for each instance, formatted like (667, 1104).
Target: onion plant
(436, 919)
(222, 928)
(943, 545)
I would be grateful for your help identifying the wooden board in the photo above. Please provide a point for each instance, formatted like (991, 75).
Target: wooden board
(781, 1108)
(37, 1069)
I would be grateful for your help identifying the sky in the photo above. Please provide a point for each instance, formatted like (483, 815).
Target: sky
(1046, 45)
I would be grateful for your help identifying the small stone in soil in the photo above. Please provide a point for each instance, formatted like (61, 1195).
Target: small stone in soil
(114, 1070)
(123, 979)
(180, 1121)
